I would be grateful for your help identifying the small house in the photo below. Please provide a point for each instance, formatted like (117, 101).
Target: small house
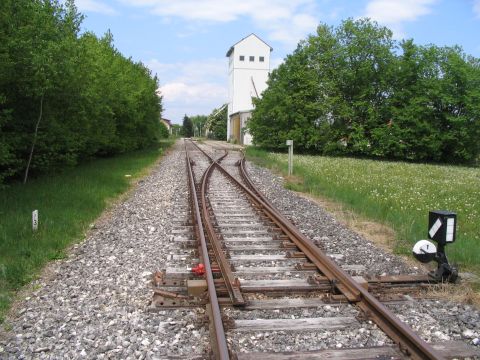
(168, 124)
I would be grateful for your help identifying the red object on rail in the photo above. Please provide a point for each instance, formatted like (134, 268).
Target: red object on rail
(199, 270)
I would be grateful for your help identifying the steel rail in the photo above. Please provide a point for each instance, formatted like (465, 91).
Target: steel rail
(220, 338)
(232, 283)
(407, 340)
(324, 263)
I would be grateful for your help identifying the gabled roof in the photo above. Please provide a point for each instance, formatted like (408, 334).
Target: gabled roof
(233, 46)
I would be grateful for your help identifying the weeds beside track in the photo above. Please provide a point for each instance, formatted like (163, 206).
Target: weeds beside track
(395, 193)
(68, 202)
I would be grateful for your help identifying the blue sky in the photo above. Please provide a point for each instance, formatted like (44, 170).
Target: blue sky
(185, 41)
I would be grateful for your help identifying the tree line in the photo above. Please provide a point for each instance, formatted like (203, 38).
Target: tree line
(217, 123)
(66, 96)
(353, 90)
(213, 126)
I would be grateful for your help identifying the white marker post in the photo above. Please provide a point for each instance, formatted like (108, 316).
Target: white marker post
(290, 157)
(35, 220)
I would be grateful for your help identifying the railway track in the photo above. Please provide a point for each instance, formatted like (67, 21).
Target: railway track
(268, 290)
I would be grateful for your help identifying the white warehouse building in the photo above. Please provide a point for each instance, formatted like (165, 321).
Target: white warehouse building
(248, 69)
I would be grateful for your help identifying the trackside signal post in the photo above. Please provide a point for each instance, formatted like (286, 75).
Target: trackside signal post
(442, 227)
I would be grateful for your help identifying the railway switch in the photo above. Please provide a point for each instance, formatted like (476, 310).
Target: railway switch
(442, 227)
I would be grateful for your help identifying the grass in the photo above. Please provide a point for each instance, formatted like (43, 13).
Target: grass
(67, 202)
(397, 194)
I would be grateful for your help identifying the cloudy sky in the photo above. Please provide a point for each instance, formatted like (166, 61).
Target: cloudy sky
(185, 41)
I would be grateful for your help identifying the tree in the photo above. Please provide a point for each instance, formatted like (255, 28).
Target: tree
(199, 122)
(217, 123)
(288, 107)
(65, 97)
(303, 100)
(176, 130)
(434, 106)
(187, 127)
(347, 90)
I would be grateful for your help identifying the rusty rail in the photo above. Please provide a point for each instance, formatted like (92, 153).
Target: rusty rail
(232, 283)
(407, 340)
(217, 325)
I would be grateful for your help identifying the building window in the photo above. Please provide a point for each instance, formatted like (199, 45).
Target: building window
(261, 59)
(242, 58)
(252, 58)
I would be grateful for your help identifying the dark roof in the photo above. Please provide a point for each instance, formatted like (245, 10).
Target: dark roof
(231, 48)
(167, 121)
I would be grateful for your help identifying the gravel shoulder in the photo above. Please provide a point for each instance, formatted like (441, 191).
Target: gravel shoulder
(94, 303)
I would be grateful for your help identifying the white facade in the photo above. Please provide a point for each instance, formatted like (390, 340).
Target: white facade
(249, 66)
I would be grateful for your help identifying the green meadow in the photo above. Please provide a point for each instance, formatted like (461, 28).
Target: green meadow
(397, 194)
(67, 202)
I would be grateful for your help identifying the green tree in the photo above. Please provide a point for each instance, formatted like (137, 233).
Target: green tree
(65, 97)
(39, 43)
(187, 127)
(217, 123)
(347, 90)
(434, 106)
(282, 110)
(199, 122)
(176, 130)
(331, 89)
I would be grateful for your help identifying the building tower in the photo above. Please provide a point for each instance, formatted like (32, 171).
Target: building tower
(248, 69)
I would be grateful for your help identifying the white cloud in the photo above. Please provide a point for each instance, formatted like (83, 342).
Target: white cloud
(94, 6)
(287, 21)
(398, 11)
(395, 12)
(194, 87)
(192, 93)
(476, 8)
(190, 71)
(299, 26)
(222, 10)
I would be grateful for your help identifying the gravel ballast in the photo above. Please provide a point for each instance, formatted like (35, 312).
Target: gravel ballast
(435, 321)
(95, 303)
